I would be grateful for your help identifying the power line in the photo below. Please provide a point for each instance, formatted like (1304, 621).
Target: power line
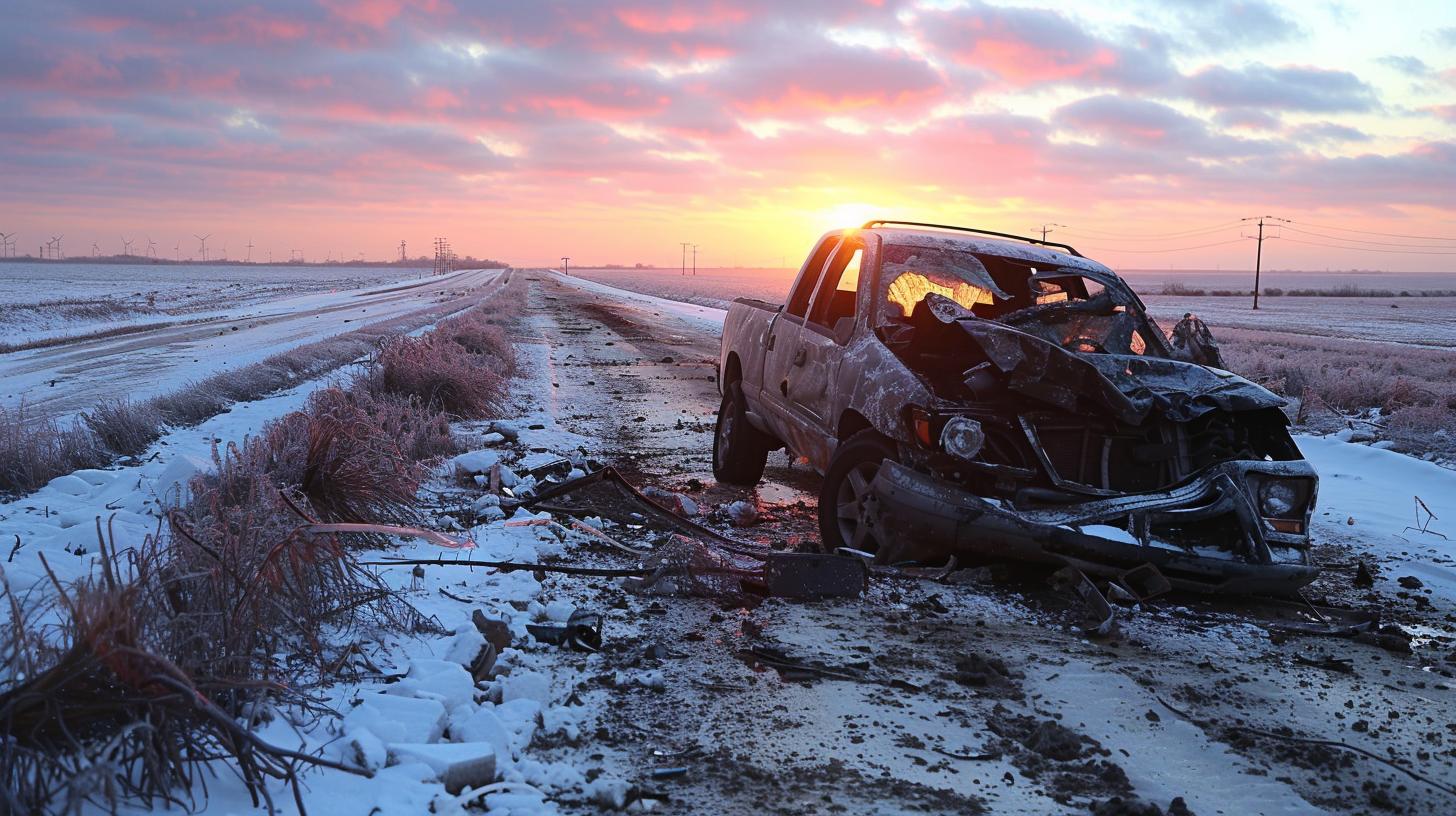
(1371, 249)
(1366, 240)
(1155, 235)
(1190, 234)
(1386, 234)
(1175, 249)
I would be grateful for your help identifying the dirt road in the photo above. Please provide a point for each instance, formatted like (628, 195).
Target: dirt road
(75, 375)
(981, 696)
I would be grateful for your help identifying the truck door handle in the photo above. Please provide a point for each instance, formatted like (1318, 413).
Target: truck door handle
(771, 342)
(800, 356)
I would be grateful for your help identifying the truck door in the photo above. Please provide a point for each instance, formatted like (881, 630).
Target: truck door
(781, 345)
(811, 392)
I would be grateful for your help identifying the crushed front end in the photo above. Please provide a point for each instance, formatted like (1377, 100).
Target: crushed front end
(1104, 461)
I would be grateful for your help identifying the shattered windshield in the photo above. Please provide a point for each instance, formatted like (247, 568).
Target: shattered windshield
(1059, 306)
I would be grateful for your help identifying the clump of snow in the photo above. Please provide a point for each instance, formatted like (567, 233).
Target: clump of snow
(457, 765)
(443, 680)
(741, 513)
(526, 685)
(475, 462)
(393, 718)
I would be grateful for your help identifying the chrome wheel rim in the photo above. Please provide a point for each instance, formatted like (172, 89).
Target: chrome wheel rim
(725, 433)
(849, 507)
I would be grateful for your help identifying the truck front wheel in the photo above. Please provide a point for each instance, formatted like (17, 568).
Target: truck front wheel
(842, 522)
(740, 450)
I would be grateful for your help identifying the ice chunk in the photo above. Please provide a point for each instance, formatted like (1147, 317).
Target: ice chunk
(398, 719)
(526, 685)
(479, 461)
(482, 725)
(456, 764)
(172, 484)
(442, 680)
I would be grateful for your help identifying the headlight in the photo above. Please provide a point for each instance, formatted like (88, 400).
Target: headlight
(1277, 497)
(962, 437)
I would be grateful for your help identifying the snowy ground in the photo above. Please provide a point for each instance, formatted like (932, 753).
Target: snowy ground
(930, 725)
(75, 375)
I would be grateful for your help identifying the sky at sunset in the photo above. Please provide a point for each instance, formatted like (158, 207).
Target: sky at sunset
(612, 131)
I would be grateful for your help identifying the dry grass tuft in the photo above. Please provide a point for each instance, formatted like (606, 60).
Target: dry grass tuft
(439, 374)
(126, 428)
(34, 450)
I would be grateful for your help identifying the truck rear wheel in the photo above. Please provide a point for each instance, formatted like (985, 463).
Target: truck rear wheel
(740, 451)
(846, 486)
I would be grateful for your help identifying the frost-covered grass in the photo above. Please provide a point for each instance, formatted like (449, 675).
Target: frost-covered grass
(239, 598)
(1411, 390)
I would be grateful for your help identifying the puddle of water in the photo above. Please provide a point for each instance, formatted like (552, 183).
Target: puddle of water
(776, 493)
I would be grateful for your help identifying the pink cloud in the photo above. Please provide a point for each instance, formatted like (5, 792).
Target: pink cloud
(678, 19)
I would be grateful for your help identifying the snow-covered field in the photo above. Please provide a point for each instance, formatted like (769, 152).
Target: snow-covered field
(628, 378)
(73, 376)
(43, 300)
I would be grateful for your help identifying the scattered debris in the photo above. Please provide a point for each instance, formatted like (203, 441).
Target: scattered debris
(581, 633)
(1098, 615)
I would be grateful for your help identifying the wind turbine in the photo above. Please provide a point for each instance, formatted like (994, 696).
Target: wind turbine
(177, 252)
(202, 239)
(95, 250)
(151, 248)
(223, 253)
(56, 253)
(126, 246)
(5, 244)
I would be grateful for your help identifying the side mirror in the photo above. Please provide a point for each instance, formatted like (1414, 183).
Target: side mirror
(843, 330)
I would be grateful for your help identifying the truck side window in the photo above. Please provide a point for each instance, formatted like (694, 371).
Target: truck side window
(840, 287)
(808, 281)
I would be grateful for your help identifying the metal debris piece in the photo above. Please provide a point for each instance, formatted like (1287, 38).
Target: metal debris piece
(1143, 582)
(810, 575)
(582, 632)
(1099, 615)
(1342, 665)
(793, 670)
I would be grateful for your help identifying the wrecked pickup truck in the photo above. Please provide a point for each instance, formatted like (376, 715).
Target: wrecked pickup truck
(996, 397)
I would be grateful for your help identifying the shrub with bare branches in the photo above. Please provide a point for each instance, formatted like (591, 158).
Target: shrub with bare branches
(102, 715)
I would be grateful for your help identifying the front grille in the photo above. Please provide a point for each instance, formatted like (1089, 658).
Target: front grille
(1125, 459)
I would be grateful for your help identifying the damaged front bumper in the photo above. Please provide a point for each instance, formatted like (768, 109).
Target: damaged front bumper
(1106, 536)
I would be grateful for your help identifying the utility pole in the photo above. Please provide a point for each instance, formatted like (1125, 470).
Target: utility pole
(695, 260)
(566, 265)
(401, 249)
(1259, 250)
(250, 251)
(1046, 228)
(685, 245)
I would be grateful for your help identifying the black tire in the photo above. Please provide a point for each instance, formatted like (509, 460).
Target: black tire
(846, 484)
(740, 450)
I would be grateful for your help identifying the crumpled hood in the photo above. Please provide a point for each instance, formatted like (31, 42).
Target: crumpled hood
(1128, 386)
(1181, 390)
